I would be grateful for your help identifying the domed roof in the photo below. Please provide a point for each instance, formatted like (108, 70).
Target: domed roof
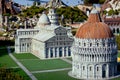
(43, 20)
(94, 28)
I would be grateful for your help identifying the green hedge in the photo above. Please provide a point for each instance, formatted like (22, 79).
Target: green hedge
(6, 42)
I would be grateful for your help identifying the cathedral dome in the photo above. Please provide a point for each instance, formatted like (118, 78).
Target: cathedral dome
(43, 20)
(94, 28)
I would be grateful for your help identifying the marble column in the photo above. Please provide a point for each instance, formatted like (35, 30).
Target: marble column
(97, 56)
(57, 52)
(66, 51)
(48, 52)
(26, 47)
(18, 46)
(21, 47)
(88, 57)
(115, 30)
(63, 53)
(53, 52)
(107, 70)
(101, 71)
(93, 68)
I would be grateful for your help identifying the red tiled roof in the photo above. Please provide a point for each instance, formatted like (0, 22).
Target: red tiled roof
(112, 21)
(94, 29)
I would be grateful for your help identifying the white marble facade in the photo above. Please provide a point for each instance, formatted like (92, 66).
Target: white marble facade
(47, 40)
(94, 51)
(94, 58)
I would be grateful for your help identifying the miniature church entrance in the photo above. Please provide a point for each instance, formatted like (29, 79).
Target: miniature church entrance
(55, 52)
(64, 51)
(104, 71)
(60, 52)
(69, 51)
(118, 31)
(113, 30)
(51, 52)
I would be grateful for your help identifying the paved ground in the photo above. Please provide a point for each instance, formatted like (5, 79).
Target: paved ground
(54, 70)
(13, 67)
(21, 66)
(66, 60)
(27, 59)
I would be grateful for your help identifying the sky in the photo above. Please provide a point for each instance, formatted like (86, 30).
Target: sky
(68, 2)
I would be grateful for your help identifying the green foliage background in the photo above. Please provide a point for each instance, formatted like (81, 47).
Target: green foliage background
(72, 14)
(7, 74)
(118, 41)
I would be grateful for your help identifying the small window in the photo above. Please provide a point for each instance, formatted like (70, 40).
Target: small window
(92, 56)
(60, 38)
(84, 44)
(83, 67)
(90, 44)
(97, 68)
(103, 44)
(67, 43)
(90, 68)
(27, 45)
(97, 44)
(77, 66)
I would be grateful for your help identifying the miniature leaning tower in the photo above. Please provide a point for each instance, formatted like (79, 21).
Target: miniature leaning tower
(53, 17)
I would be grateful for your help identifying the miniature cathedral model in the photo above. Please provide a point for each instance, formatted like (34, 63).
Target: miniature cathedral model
(47, 40)
(94, 51)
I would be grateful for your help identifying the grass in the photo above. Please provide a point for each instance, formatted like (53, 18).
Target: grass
(25, 56)
(118, 54)
(58, 75)
(116, 78)
(7, 62)
(5, 59)
(34, 65)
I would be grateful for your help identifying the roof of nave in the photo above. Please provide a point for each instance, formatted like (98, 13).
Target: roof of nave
(43, 36)
(47, 33)
(112, 21)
